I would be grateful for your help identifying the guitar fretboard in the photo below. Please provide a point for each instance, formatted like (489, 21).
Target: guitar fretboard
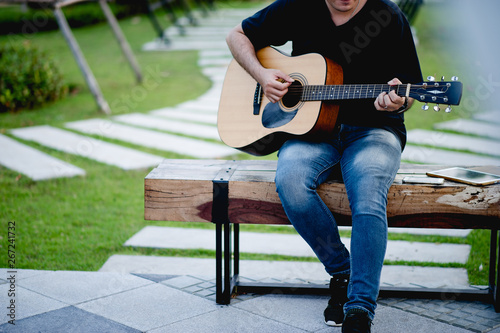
(348, 91)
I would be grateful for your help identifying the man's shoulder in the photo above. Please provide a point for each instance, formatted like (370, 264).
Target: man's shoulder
(385, 4)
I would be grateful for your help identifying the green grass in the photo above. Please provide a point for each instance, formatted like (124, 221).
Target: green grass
(78, 223)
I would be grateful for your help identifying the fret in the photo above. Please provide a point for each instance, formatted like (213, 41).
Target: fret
(347, 91)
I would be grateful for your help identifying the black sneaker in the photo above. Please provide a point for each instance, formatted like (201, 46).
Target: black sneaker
(356, 321)
(334, 312)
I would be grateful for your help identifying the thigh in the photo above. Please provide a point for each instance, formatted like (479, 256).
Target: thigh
(370, 161)
(304, 162)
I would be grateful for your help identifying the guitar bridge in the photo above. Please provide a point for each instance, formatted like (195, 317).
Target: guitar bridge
(257, 99)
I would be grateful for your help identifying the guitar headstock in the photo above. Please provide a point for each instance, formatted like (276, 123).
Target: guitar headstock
(438, 92)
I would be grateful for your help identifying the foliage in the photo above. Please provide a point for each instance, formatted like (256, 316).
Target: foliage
(28, 78)
(39, 17)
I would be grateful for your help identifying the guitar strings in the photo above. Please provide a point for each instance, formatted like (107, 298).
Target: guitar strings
(350, 90)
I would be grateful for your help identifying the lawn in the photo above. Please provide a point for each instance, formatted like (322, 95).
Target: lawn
(78, 223)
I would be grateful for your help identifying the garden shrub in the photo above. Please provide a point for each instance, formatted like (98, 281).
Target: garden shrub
(39, 16)
(28, 78)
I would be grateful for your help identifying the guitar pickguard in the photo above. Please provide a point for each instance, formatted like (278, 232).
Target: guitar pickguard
(273, 116)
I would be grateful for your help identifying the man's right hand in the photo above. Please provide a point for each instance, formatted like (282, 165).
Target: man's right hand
(274, 83)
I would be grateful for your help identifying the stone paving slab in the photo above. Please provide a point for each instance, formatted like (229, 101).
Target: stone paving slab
(491, 116)
(66, 320)
(33, 163)
(416, 154)
(216, 74)
(179, 127)
(230, 320)
(158, 45)
(304, 312)
(152, 139)
(186, 114)
(454, 141)
(98, 150)
(469, 126)
(291, 245)
(431, 232)
(278, 271)
(204, 62)
(30, 303)
(73, 287)
(201, 107)
(157, 307)
(149, 307)
(389, 319)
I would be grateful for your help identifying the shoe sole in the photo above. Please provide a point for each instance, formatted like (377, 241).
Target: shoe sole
(333, 324)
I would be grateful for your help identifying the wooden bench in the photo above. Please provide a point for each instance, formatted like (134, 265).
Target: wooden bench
(229, 193)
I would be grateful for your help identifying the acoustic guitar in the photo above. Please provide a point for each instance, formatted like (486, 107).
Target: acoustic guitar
(248, 121)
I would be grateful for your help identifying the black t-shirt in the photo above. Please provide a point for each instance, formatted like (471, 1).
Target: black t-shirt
(374, 46)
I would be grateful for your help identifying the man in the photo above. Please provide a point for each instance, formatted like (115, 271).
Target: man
(372, 41)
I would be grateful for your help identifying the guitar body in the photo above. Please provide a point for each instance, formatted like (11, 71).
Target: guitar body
(248, 121)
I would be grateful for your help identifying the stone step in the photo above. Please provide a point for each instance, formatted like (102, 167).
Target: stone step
(152, 139)
(291, 245)
(200, 107)
(98, 150)
(454, 141)
(415, 154)
(462, 233)
(285, 271)
(179, 127)
(179, 45)
(473, 127)
(33, 163)
(205, 62)
(186, 114)
(199, 31)
(491, 116)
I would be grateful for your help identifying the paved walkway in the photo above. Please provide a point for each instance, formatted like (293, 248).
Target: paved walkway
(74, 302)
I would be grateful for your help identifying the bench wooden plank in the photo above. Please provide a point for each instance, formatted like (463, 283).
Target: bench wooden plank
(182, 190)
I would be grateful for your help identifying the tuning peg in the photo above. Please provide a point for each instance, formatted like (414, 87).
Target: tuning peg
(431, 78)
(448, 109)
(454, 78)
(442, 78)
(437, 108)
(425, 107)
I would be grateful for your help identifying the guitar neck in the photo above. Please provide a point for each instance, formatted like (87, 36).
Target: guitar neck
(350, 91)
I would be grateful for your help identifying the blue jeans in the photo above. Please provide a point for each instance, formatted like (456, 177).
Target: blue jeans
(369, 160)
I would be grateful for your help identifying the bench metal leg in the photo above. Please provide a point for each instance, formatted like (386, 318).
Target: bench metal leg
(224, 283)
(224, 280)
(494, 277)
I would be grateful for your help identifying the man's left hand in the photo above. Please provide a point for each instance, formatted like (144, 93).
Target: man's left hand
(389, 102)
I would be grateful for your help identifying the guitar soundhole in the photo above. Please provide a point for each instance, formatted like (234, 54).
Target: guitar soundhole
(293, 95)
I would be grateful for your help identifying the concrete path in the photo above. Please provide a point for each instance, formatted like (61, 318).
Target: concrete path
(152, 139)
(473, 127)
(32, 162)
(455, 141)
(424, 155)
(98, 150)
(82, 302)
(160, 123)
(287, 271)
(290, 245)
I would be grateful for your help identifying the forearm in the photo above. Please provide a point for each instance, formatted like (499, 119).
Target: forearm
(274, 82)
(244, 52)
